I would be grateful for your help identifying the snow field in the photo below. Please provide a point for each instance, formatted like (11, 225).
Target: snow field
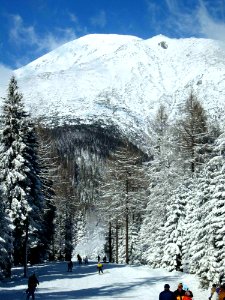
(117, 282)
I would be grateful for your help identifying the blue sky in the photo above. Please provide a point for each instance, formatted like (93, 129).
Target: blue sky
(31, 28)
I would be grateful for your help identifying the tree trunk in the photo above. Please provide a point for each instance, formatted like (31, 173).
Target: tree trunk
(127, 238)
(110, 242)
(25, 250)
(117, 242)
(126, 225)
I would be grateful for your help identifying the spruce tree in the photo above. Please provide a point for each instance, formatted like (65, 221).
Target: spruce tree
(5, 242)
(212, 261)
(19, 176)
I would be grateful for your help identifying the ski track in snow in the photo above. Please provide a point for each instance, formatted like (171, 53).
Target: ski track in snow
(118, 282)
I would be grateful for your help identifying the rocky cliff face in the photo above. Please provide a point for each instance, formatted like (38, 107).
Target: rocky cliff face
(122, 80)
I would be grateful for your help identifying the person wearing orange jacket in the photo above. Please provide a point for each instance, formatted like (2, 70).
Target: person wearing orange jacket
(188, 295)
(222, 292)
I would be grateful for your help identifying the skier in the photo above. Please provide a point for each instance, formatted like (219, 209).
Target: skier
(86, 260)
(104, 259)
(179, 293)
(98, 258)
(167, 294)
(99, 267)
(32, 284)
(70, 266)
(79, 258)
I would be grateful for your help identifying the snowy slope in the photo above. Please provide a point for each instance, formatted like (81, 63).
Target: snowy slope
(122, 79)
(118, 282)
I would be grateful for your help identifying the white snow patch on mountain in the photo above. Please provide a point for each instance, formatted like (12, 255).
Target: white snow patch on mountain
(123, 80)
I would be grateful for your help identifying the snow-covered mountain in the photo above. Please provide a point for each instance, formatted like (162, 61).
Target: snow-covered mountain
(123, 79)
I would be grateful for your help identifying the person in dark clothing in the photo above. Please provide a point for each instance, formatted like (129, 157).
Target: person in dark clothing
(179, 293)
(32, 284)
(79, 258)
(98, 258)
(70, 266)
(86, 260)
(167, 294)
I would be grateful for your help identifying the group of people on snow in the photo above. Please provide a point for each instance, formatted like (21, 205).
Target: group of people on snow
(79, 259)
(103, 259)
(178, 294)
(85, 259)
(217, 292)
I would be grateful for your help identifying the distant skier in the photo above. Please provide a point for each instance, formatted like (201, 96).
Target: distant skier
(99, 267)
(98, 258)
(70, 266)
(104, 259)
(167, 294)
(79, 258)
(86, 260)
(32, 284)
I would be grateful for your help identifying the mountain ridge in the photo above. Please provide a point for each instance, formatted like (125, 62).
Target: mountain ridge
(123, 80)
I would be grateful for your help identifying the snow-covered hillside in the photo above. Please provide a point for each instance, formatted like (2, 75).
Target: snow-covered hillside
(118, 282)
(123, 79)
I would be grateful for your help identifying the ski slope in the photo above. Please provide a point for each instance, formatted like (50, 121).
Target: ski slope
(118, 282)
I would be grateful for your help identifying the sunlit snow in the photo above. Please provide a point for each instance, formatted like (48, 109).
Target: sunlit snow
(117, 282)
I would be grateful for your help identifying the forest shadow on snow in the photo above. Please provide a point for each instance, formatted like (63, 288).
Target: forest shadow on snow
(15, 288)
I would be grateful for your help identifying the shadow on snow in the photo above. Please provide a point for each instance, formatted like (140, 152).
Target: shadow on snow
(15, 288)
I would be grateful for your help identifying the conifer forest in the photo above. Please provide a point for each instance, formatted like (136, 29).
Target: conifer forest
(162, 206)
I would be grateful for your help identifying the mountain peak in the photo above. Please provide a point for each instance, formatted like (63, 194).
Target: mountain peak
(123, 79)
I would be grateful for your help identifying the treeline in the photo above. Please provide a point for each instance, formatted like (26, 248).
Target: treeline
(169, 212)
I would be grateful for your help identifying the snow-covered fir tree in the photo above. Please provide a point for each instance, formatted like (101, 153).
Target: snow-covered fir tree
(212, 260)
(174, 229)
(20, 182)
(6, 248)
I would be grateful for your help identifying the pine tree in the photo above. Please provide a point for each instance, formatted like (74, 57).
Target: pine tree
(22, 187)
(174, 230)
(212, 261)
(5, 242)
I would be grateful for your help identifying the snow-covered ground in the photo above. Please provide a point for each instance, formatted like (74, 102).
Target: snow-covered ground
(117, 282)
